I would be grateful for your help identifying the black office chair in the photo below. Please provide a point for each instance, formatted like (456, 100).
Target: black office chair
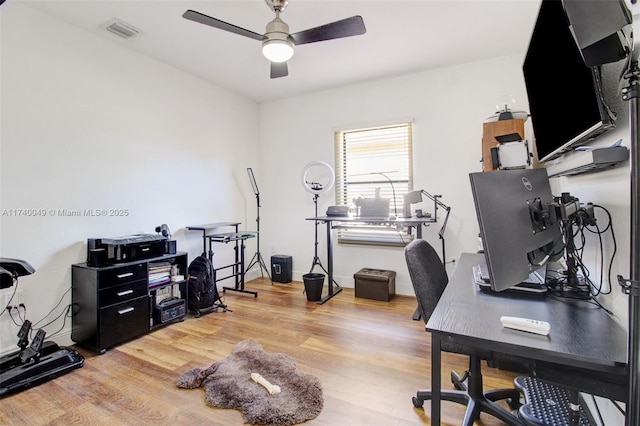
(429, 279)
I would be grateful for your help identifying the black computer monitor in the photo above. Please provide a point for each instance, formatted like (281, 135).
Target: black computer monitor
(517, 226)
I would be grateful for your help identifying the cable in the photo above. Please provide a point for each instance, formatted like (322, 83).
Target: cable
(613, 238)
(587, 290)
(15, 289)
(575, 228)
(595, 404)
(11, 316)
(615, 404)
(65, 314)
(22, 320)
(595, 302)
(35, 324)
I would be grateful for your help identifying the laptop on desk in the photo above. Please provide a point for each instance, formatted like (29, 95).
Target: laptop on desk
(535, 283)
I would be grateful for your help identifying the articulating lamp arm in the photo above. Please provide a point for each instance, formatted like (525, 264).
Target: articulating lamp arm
(436, 203)
(444, 224)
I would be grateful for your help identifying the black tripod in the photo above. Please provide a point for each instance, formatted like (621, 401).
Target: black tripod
(316, 258)
(257, 257)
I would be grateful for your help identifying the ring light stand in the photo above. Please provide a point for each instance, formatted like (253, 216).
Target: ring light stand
(257, 257)
(317, 188)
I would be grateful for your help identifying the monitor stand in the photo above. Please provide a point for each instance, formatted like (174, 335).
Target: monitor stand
(534, 284)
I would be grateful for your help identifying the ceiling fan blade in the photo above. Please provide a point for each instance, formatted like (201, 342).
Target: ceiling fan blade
(344, 28)
(192, 15)
(279, 69)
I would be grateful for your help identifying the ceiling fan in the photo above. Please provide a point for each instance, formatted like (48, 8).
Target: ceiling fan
(277, 43)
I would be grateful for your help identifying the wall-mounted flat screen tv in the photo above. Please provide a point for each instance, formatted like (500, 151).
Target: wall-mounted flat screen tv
(565, 96)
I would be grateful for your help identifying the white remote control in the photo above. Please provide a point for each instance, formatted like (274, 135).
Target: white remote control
(526, 324)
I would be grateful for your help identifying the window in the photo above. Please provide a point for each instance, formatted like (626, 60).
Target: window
(374, 163)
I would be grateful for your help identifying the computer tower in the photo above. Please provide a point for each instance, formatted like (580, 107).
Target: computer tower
(281, 267)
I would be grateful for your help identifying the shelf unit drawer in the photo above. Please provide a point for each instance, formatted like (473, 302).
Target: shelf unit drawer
(123, 321)
(122, 293)
(122, 275)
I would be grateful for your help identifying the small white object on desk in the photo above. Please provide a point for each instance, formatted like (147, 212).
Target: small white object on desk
(526, 324)
(272, 389)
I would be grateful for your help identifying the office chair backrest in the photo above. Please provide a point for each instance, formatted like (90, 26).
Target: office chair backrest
(428, 275)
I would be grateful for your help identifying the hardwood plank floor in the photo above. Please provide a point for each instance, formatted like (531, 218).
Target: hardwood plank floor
(370, 356)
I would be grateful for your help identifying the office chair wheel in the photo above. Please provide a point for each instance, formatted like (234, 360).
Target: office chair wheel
(418, 403)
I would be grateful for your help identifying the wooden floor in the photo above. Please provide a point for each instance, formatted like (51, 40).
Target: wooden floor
(370, 356)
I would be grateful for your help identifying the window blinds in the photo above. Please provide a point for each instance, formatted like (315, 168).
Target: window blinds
(370, 162)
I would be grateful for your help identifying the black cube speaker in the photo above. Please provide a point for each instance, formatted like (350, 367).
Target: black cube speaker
(96, 253)
(281, 267)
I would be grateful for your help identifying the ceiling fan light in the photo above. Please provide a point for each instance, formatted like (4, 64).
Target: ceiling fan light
(277, 50)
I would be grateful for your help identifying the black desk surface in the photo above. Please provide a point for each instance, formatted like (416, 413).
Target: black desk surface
(211, 226)
(582, 335)
(363, 219)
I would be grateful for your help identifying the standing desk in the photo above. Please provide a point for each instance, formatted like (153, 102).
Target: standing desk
(585, 350)
(344, 221)
(238, 270)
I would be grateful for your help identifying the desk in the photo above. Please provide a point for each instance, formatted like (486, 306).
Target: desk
(238, 269)
(343, 221)
(585, 349)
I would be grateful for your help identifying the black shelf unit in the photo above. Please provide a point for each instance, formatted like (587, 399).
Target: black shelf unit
(114, 303)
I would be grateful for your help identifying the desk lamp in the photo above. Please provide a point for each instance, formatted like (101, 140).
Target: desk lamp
(393, 189)
(414, 197)
(409, 198)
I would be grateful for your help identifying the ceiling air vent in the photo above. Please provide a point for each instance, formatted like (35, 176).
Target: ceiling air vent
(121, 29)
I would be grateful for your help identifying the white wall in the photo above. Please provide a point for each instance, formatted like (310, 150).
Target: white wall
(87, 124)
(611, 190)
(448, 105)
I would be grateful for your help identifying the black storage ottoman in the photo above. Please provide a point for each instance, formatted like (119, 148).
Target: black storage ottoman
(281, 267)
(376, 284)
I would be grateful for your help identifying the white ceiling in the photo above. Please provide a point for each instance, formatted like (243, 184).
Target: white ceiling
(403, 36)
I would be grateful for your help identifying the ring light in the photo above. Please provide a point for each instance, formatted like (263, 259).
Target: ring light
(318, 177)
